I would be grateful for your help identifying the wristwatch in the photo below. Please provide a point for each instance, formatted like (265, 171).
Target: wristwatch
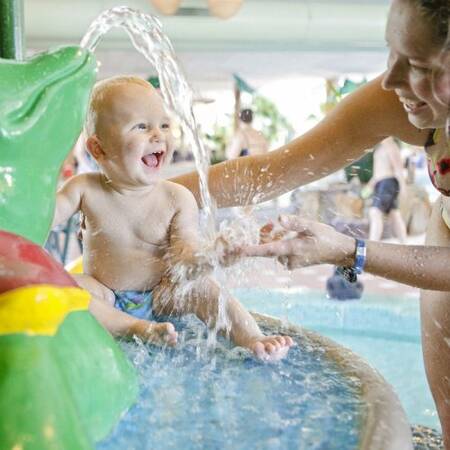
(351, 273)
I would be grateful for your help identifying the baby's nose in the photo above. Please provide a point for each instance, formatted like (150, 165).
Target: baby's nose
(155, 135)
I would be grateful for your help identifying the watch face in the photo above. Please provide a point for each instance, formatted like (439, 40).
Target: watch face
(349, 273)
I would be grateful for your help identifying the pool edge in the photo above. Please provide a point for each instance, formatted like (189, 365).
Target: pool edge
(383, 405)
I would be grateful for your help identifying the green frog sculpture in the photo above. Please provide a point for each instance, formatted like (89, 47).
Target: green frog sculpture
(64, 382)
(42, 108)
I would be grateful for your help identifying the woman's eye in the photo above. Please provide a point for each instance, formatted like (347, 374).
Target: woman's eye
(419, 69)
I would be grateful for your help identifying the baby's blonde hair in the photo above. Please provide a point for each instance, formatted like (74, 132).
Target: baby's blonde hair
(100, 91)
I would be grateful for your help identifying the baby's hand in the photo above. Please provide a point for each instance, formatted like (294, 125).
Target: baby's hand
(227, 254)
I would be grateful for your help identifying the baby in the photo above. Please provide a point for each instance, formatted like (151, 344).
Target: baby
(137, 228)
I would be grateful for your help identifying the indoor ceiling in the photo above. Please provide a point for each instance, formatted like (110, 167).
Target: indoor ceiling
(267, 39)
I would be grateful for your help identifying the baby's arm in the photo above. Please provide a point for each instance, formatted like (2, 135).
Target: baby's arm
(68, 199)
(186, 257)
(185, 248)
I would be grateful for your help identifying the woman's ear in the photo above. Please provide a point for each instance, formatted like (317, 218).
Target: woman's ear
(95, 148)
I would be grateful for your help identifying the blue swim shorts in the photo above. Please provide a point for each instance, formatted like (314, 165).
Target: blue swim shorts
(385, 195)
(136, 303)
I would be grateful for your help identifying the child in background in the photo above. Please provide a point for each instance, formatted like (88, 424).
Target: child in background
(140, 230)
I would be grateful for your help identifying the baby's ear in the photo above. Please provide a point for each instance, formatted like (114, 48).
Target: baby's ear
(94, 146)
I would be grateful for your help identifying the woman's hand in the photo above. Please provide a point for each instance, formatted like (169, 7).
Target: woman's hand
(311, 243)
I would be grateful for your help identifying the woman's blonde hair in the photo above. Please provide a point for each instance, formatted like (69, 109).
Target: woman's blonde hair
(438, 13)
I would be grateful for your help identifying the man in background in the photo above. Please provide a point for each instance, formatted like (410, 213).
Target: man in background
(247, 140)
(388, 182)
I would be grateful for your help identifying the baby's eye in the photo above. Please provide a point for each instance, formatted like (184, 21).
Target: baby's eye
(165, 126)
(140, 126)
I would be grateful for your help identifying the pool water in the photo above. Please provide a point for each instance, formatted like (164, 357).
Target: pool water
(195, 397)
(384, 330)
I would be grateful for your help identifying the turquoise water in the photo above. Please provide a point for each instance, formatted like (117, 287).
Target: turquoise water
(384, 330)
(193, 397)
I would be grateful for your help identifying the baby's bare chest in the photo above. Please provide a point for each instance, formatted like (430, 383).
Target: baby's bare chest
(128, 221)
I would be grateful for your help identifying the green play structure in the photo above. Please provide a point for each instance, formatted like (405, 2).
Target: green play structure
(42, 106)
(64, 389)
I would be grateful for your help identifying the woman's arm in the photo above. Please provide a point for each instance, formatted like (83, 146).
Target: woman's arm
(317, 243)
(415, 265)
(360, 121)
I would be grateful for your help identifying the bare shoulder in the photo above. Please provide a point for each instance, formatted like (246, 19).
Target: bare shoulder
(92, 178)
(83, 182)
(182, 196)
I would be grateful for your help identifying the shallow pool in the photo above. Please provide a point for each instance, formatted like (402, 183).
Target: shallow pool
(384, 330)
(193, 397)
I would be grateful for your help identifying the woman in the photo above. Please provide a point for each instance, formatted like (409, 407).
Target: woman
(400, 103)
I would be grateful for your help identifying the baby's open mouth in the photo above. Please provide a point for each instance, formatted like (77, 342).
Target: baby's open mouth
(153, 160)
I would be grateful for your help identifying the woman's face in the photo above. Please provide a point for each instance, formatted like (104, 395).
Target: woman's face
(413, 60)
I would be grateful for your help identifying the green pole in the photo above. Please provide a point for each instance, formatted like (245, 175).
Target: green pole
(11, 29)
